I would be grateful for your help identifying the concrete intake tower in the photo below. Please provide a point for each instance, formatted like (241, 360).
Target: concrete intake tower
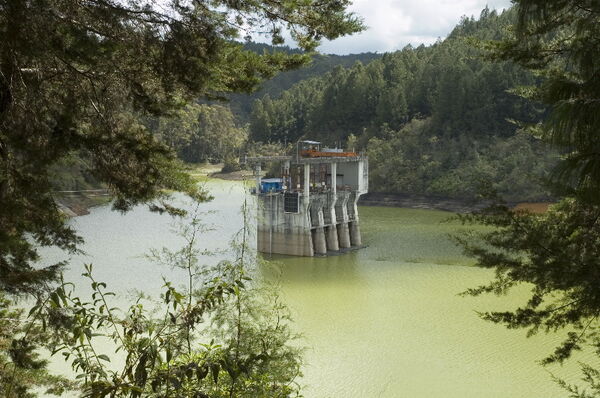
(311, 208)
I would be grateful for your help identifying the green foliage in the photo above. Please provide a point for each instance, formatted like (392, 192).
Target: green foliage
(21, 368)
(231, 164)
(413, 159)
(591, 377)
(449, 81)
(203, 133)
(72, 173)
(242, 104)
(560, 41)
(77, 77)
(219, 335)
(557, 254)
(465, 101)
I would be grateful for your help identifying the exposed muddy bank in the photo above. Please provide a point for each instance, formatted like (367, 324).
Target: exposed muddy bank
(455, 205)
(80, 203)
(241, 175)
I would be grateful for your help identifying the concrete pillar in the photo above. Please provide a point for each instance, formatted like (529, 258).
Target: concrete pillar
(307, 179)
(360, 176)
(332, 235)
(257, 175)
(355, 238)
(318, 238)
(334, 178)
(331, 238)
(363, 176)
(343, 235)
(288, 177)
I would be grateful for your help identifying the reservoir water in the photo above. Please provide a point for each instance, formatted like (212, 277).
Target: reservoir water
(384, 321)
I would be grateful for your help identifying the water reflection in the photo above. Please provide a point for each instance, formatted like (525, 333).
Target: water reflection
(310, 270)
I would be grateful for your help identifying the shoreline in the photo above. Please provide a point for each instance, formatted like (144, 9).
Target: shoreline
(426, 202)
(241, 175)
(432, 202)
(410, 201)
(79, 205)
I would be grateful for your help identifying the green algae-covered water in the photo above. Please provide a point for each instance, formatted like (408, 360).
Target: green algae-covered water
(384, 321)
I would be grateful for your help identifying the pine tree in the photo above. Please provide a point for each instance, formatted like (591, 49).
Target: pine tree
(556, 253)
(560, 40)
(78, 76)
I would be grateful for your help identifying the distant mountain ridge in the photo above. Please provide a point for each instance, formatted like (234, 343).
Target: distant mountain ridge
(241, 104)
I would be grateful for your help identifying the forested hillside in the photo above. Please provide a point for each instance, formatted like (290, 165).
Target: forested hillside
(241, 104)
(436, 120)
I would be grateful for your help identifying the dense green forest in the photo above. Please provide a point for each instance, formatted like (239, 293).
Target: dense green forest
(214, 131)
(439, 120)
(241, 104)
(436, 120)
(202, 133)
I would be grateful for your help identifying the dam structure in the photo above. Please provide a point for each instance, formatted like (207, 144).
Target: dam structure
(310, 208)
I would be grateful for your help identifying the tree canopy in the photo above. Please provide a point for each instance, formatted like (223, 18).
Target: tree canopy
(203, 133)
(437, 120)
(77, 76)
(555, 253)
(320, 64)
(560, 41)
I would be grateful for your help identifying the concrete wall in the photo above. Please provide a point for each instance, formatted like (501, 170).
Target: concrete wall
(341, 206)
(283, 233)
(355, 175)
(326, 222)
(317, 207)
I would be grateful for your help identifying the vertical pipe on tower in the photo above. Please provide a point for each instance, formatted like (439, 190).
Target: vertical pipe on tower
(257, 175)
(334, 178)
(307, 179)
